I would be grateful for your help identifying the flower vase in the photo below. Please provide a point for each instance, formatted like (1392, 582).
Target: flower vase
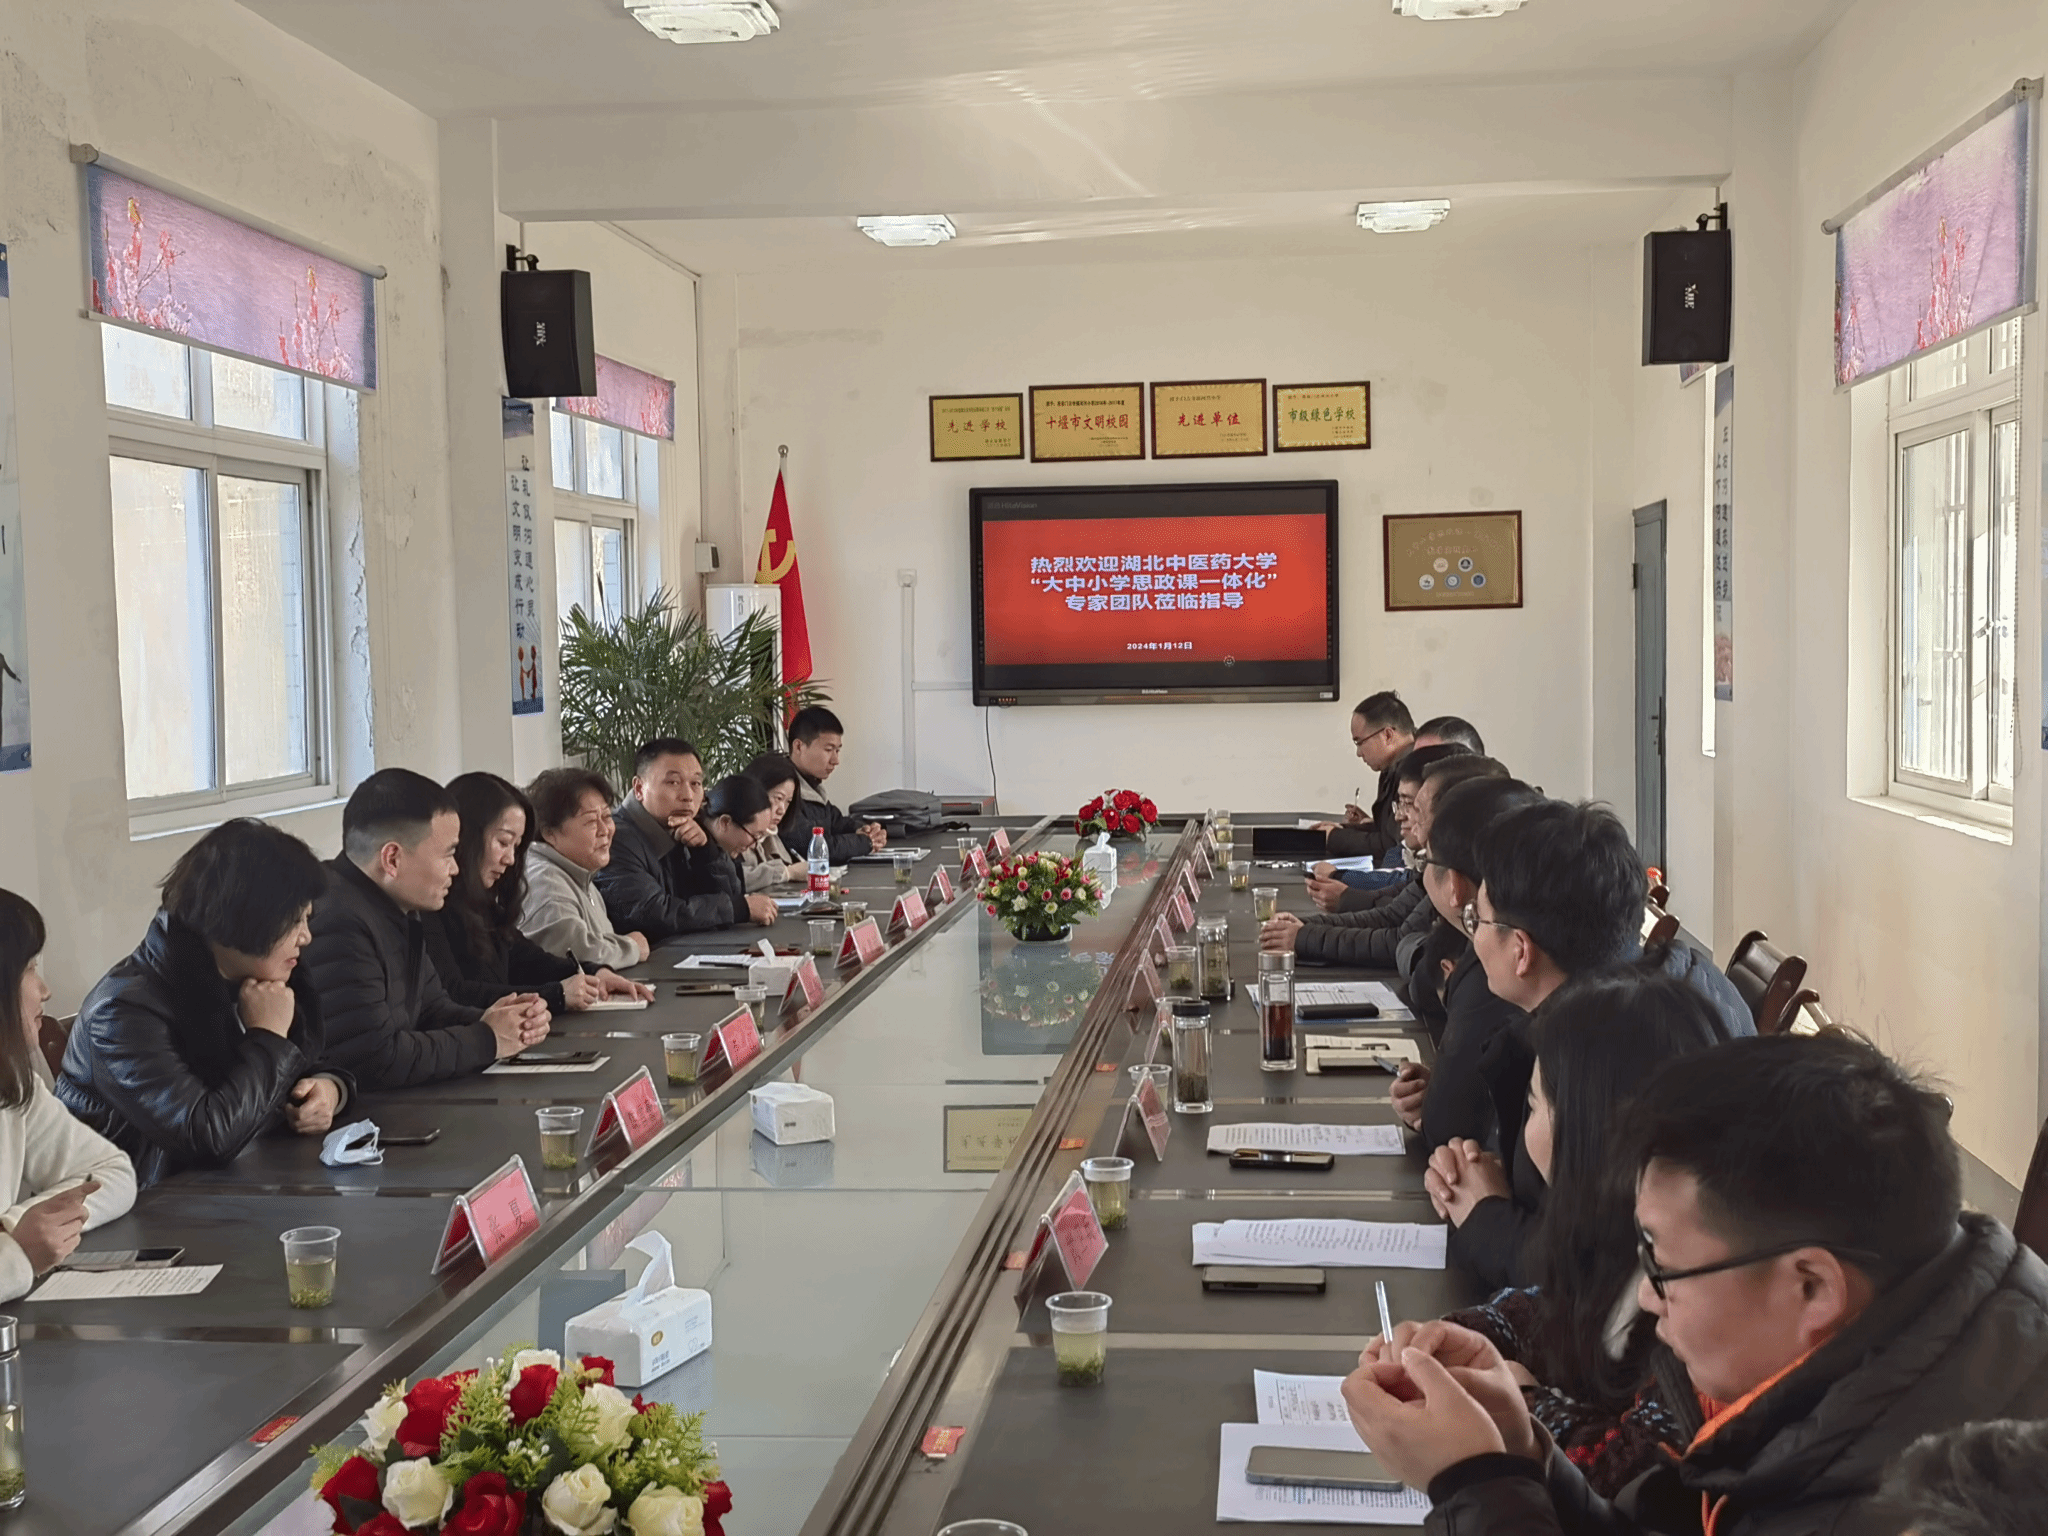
(1040, 936)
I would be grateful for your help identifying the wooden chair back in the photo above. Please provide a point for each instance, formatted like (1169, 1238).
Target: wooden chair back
(1768, 980)
(52, 1035)
(1659, 926)
(1805, 1015)
(2030, 1226)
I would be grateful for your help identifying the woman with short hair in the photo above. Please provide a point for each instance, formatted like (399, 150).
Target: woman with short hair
(208, 1035)
(735, 814)
(564, 911)
(770, 864)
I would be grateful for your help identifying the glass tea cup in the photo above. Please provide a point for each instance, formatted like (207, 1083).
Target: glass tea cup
(310, 1264)
(559, 1125)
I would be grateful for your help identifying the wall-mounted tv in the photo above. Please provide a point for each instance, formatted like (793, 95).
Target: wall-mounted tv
(1092, 594)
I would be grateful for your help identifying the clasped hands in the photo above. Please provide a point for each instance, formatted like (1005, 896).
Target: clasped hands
(1461, 1173)
(1435, 1395)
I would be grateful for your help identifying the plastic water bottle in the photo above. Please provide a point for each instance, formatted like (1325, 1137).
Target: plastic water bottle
(821, 865)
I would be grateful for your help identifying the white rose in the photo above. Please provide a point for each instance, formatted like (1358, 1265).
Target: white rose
(416, 1493)
(382, 1422)
(575, 1503)
(1018, 904)
(614, 1413)
(527, 1357)
(666, 1512)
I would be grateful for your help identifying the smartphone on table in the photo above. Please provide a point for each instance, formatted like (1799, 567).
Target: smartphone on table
(1290, 1467)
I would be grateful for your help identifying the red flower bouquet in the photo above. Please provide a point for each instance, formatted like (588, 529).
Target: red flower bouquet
(1038, 895)
(1119, 812)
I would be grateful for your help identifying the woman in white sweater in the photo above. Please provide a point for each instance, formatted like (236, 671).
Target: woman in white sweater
(58, 1178)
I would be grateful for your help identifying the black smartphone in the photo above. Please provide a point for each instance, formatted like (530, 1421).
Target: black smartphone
(1296, 1468)
(1251, 1157)
(101, 1259)
(545, 1058)
(1250, 1278)
(418, 1139)
(1335, 1013)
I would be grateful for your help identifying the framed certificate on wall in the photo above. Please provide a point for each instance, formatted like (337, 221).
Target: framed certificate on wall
(1309, 418)
(1454, 560)
(977, 427)
(1209, 419)
(1087, 421)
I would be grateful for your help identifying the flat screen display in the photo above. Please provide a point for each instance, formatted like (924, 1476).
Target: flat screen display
(1086, 594)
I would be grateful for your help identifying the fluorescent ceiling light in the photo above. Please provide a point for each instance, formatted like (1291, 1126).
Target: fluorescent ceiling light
(1454, 10)
(1403, 218)
(907, 228)
(705, 21)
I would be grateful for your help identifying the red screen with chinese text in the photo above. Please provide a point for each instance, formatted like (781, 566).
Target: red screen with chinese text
(1155, 589)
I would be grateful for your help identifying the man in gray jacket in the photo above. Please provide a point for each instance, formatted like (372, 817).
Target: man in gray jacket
(1822, 1298)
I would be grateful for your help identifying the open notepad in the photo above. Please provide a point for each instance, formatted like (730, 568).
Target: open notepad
(1334, 1243)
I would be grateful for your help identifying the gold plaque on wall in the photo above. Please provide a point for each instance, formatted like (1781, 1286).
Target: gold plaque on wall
(979, 1136)
(977, 427)
(1087, 421)
(1212, 419)
(1454, 560)
(1312, 417)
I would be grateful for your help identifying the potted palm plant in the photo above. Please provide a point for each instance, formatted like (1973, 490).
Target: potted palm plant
(660, 672)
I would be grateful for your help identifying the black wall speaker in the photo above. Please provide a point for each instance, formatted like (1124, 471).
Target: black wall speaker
(548, 346)
(1688, 295)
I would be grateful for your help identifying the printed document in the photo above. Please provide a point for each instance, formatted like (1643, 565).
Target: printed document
(1344, 1140)
(1299, 1400)
(1333, 1243)
(105, 1285)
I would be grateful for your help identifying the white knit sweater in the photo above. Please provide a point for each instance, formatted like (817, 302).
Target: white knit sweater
(44, 1150)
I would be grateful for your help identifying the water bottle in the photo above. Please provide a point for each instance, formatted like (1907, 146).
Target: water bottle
(821, 865)
(13, 1478)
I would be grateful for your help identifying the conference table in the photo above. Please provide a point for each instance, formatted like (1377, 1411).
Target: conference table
(865, 1290)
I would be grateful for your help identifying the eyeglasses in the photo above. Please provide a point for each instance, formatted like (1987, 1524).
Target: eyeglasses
(1473, 922)
(1660, 1279)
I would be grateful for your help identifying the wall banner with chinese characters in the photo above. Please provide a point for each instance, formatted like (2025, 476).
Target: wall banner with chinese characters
(977, 427)
(1454, 560)
(1724, 534)
(1212, 419)
(522, 529)
(1312, 417)
(1087, 421)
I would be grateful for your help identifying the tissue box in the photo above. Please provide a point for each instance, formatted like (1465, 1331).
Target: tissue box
(774, 975)
(788, 1113)
(805, 1166)
(643, 1338)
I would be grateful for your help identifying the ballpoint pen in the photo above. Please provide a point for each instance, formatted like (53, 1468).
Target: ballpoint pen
(1379, 1291)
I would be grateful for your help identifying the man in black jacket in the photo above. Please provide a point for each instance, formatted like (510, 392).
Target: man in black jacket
(656, 847)
(389, 1020)
(208, 1036)
(815, 737)
(1382, 732)
(1823, 1298)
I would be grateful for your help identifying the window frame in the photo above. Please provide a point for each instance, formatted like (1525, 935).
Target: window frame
(1984, 401)
(623, 514)
(196, 443)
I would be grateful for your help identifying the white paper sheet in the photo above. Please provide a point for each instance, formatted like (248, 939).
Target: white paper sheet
(535, 1069)
(888, 855)
(788, 904)
(1343, 1140)
(1299, 1400)
(1329, 1243)
(1337, 994)
(89, 1285)
(615, 1005)
(1239, 1500)
(1397, 1047)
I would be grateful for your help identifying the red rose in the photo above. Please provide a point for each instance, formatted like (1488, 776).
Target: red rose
(428, 1405)
(488, 1507)
(1148, 810)
(385, 1524)
(991, 909)
(639, 1403)
(602, 1366)
(1093, 807)
(717, 1505)
(353, 1479)
(1132, 824)
(531, 1392)
(1126, 799)
(1066, 895)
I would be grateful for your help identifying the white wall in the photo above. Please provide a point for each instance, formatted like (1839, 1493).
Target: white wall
(1480, 369)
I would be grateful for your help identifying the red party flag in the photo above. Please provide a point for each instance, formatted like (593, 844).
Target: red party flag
(778, 569)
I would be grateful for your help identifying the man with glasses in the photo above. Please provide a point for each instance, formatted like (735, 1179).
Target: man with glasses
(659, 839)
(1822, 1298)
(1382, 733)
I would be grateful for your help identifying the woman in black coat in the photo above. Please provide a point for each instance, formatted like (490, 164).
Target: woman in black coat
(207, 1035)
(474, 940)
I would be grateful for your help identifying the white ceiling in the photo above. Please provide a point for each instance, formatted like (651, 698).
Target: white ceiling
(1070, 130)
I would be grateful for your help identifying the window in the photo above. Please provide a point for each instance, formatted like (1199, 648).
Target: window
(215, 466)
(604, 478)
(1955, 438)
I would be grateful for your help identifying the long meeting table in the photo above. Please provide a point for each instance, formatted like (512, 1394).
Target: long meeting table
(863, 1289)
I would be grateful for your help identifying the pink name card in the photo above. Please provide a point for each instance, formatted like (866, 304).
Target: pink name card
(940, 891)
(493, 1218)
(1183, 911)
(998, 844)
(974, 862)
(863, 944)
(633, 1110)
(805, 982)
(1152, 1110)
(908, 914)
(735, 1040)
(1076, 1233)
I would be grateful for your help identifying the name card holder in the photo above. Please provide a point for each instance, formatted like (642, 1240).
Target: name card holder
(940, 890)
(1146, 987)
(1207, 869)
(1162, 936)
(909, 914)
(735, 1040)
(632, 1110)
(805, 983)
(1183, 911)
(1152, 1112)
(999, 844)
(1190, 883)
(1076, 1232)
(973, 866)
(492, 1219)
(863, 944)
